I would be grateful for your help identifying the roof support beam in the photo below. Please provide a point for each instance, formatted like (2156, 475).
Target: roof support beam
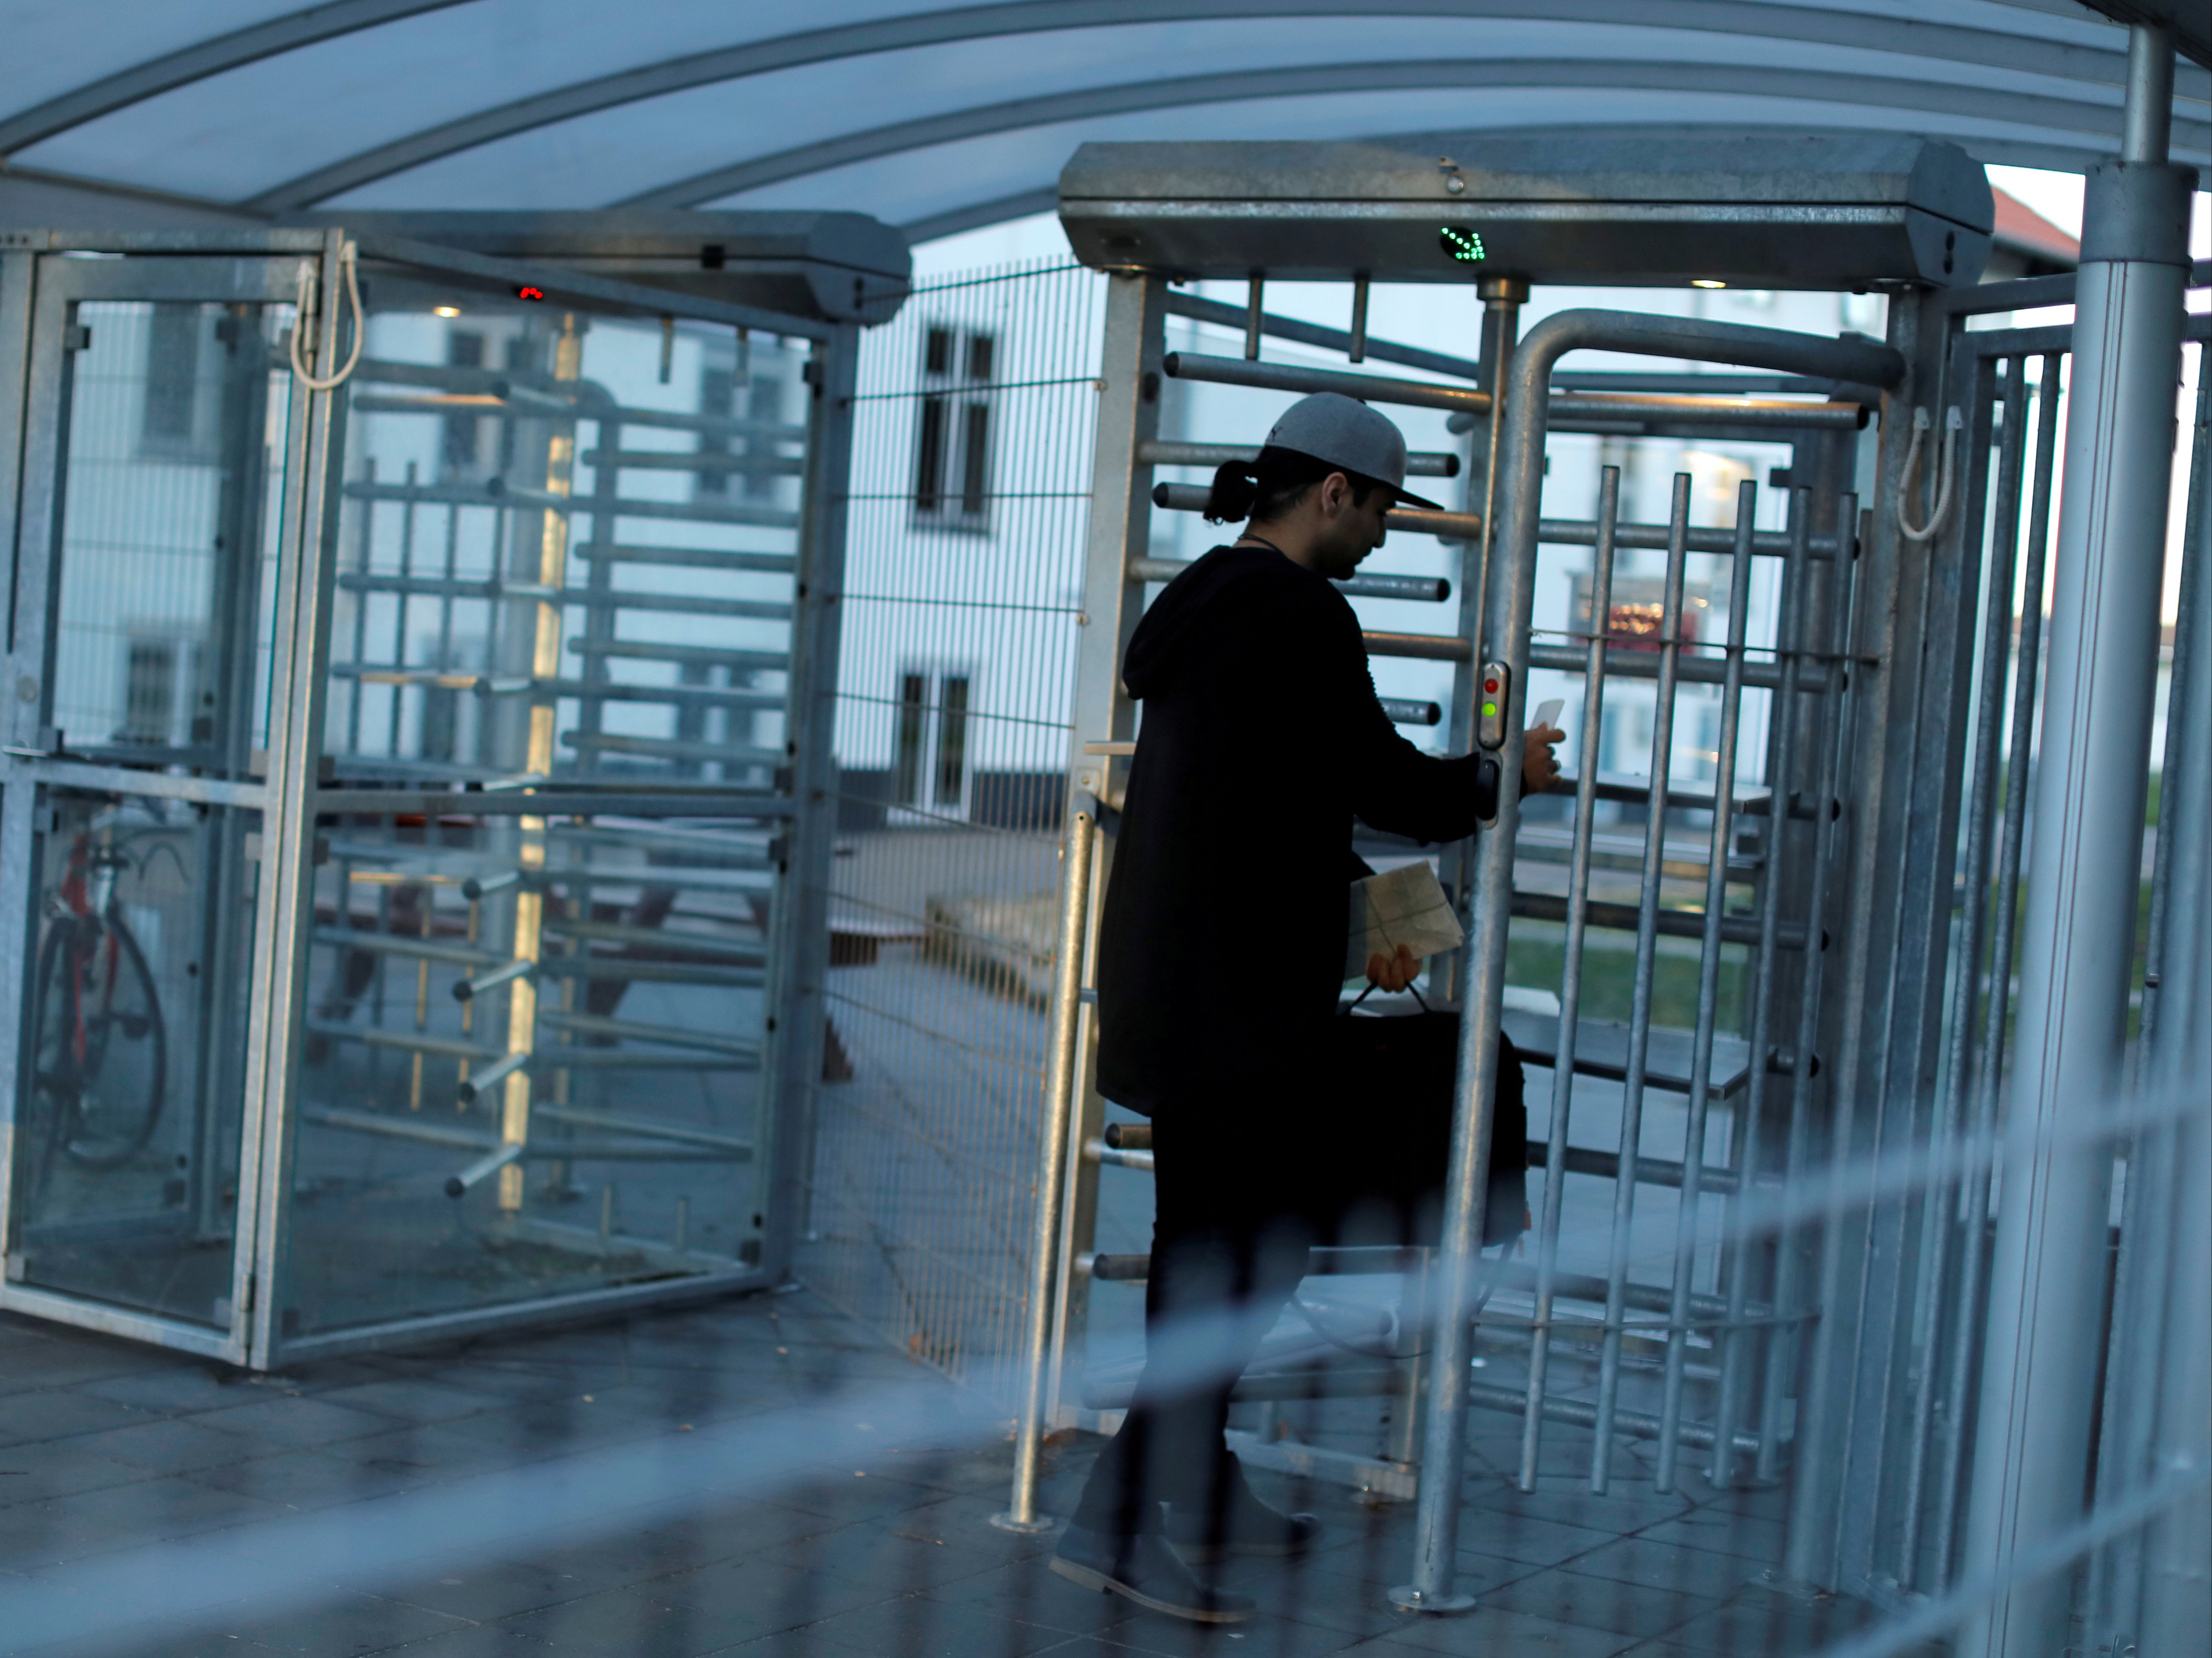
(196, 63)
(1989, 48)
(1944, 103)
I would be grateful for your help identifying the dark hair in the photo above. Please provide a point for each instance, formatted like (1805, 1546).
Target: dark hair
(1272, 483)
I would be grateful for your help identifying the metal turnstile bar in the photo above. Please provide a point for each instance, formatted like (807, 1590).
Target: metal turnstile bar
(1708, 968)
(1431, 589)
(1160, 453)
(1413, 520)
(1355, 343)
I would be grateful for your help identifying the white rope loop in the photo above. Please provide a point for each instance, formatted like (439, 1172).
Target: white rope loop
(1953, 421)
(348, 256)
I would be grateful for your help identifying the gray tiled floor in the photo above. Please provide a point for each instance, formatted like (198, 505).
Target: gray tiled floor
(108, 1451)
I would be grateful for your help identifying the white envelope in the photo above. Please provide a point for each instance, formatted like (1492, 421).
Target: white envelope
(1406, 907)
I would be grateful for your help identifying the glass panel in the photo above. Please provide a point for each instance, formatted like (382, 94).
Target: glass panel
(126, 1168)
(166, 593)
(531, 1063)
(567, 546)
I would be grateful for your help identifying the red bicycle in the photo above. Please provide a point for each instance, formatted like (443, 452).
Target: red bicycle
(101, 1065)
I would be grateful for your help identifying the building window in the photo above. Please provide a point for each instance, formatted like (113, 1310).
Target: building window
(183, 389)
(753, 453)
(457, 446)
(953, 429)
(930, 745)
(150, 691)
(952, 743)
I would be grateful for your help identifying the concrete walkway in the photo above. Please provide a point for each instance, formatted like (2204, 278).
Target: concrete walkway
(117, 1462)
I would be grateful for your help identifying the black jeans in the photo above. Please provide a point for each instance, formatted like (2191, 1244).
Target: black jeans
(1240, 1197)
(1229, 1236)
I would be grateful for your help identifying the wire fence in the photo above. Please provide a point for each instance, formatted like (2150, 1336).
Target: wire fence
(970, 493)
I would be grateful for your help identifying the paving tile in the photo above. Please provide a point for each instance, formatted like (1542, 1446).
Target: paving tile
(59, 1412)
(176, 1389)
(33, 1474)
(347, 1624)
(305, 1480)
(1540, 1541)
(404, 1399)
(1627, 1506)
(477, 1641)
(1766, 1621)
(483, 1594)
(1601, 1603)
(1028, 1592)
(1663, 1565)
(1492, 1632)
(295, 1422)
(165, 1444)
(35, 1535)
(155, 1510)
(859, 1495)
(916, 1626)
(1744, 1537)
(1258, 1636)
(1357, 1601)
(896, 1558)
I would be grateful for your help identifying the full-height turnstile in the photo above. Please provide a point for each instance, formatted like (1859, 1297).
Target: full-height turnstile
(1807, 866)
(414, 790)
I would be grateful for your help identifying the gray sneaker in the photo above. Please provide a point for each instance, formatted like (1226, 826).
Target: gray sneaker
(1143, 1569)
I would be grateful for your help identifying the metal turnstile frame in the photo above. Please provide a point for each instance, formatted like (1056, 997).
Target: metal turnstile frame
(289, 788)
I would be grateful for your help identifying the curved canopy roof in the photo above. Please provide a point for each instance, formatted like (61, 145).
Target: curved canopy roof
(939, 117)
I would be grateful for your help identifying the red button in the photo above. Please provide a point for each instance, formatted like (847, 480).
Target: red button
(1490, 685)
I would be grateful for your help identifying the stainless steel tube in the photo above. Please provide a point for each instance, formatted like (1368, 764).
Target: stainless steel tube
(2013, 827)
(1287, 377)
(1506, 638)
(1021, 1515)
(2040, 1346)
(1834, 737)
(1639, 1006)
(1789, 635)
(1160, 452)
(1570, 973)
(1940, 1211)
(1709, 973)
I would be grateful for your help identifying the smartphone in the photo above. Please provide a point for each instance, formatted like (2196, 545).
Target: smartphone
(1547, 713)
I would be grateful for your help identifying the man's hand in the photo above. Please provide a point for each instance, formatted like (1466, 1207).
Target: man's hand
(1539, 766)
(1394, 972)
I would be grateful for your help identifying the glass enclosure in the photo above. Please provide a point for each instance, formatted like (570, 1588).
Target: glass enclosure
(455, 1002)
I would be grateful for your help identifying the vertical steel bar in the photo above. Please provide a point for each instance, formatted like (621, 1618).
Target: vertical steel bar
(285, 912)
(1640, 1008)
(1021, 1515)
(1988, 1068)
(1708, 971)
(1791, 634)
(1571, 973)
(1827, 810)
(1939, 1212)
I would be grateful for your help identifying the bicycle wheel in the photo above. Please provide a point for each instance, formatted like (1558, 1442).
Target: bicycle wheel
(102, 1045)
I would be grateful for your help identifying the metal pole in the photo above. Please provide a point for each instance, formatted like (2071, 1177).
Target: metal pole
(1791, 635)
(1021, 1515)
(1639, 1006)
(2026, 659)
(2041, 1350)
(1709, 969)
(1570, 974)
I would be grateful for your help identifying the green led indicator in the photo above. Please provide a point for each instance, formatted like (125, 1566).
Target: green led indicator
(1490, 711)
(1464, 245)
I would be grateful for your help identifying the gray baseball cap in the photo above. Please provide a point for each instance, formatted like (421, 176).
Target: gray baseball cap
(1345, 431)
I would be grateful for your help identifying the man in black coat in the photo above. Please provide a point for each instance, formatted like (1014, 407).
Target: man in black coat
(1221, 956)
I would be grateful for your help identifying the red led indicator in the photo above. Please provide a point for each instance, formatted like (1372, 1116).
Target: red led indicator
(1490, 685)
(529, 292)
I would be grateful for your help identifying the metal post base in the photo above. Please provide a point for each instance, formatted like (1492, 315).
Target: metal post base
(1407, 1598)
(1007, 1522)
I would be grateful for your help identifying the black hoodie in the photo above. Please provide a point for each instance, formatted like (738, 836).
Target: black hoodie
(1221, 950)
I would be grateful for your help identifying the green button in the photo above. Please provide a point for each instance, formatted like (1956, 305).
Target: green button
(1490, 711)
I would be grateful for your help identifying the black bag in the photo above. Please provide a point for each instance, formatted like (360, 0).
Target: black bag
(1385, 1164)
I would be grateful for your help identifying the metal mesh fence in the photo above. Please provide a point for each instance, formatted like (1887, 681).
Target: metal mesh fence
(970, 493)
